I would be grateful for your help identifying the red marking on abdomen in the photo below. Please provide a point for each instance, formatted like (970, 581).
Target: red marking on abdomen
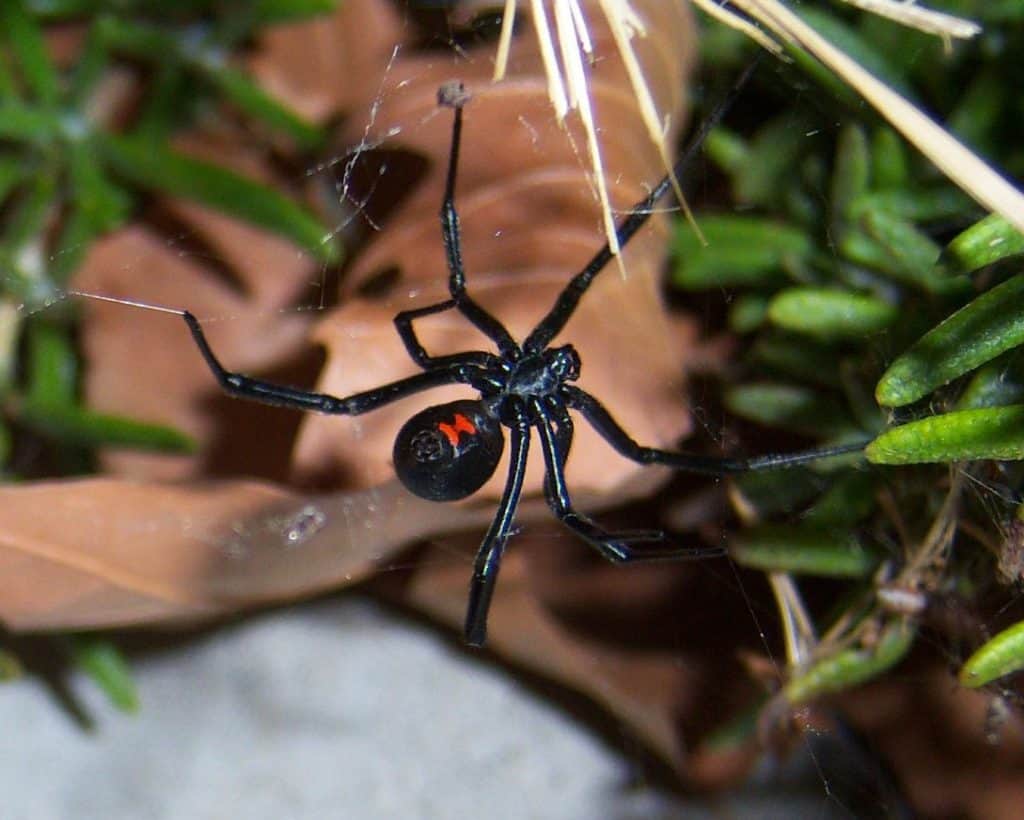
(461, 425)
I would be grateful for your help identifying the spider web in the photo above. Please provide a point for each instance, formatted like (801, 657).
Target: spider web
(833, 774)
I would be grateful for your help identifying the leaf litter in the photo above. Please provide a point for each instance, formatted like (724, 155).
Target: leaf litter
(171, 539)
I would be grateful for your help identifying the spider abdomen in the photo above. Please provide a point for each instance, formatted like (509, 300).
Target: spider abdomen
(448, 451)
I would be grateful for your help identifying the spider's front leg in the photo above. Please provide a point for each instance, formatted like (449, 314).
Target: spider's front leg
(568, 300)
(620, 547)
(454, 370)
(454, 96)
(403, 324)
(418, 353)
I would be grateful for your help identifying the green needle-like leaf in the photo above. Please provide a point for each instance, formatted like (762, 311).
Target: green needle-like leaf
(831, 314)
(76, 425)
(97, 207)
(157, 168)
(169, 92)
(800, 409)
(963, 435)
(849, 500)
(937, 202)
(975, 334)
(727, 150)
(101, 661)
(255, 102)
(25, 41)
(105, 205)
(1000, 656)
(998, 383)
(889, 167)
(89, 67)
(51, 366)
(850, 177)
(77, 233)
(978, 110)
(803, 550)
(791, 355)
(860, 48)
(6, 438)
(8, 87)
(12, 173)
(985, 242)
(271, 12)
(739, 251)
(146, 42)
(10, 666)
(772, 492)
(748, 312)
(771, 159)
(26, 223)
(26, 123)
(911, 254)
(851, 666)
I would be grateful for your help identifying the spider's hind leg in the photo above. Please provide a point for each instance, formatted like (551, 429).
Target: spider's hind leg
(612, 432)
(488, 558)
(625, 546)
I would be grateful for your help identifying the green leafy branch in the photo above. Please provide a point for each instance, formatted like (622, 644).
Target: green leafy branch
(875, 297)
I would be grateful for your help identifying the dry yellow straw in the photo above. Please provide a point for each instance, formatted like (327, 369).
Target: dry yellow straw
(567, 81)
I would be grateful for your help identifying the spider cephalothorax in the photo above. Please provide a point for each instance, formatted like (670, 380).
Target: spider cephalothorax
(448, 451)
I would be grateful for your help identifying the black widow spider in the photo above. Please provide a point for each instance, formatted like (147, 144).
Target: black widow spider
(448, 451)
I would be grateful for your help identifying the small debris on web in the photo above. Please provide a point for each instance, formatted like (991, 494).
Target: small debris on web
(303, 525)
(453, 94)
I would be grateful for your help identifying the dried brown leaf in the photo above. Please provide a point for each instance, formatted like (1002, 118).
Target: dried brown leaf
(322, 66)
(113, 552)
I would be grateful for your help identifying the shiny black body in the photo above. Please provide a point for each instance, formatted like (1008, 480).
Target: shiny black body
(524, 387)
(448, 451)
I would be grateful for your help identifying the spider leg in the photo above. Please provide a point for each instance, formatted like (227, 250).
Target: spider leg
(488, 557)
(403, 324)
(565, 305)
(560, 423)
(459, 370)
(612, 432)
(418, 353)
(450, 233)
(620, 547)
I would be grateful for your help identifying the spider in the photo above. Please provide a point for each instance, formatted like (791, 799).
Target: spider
(449, 451)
